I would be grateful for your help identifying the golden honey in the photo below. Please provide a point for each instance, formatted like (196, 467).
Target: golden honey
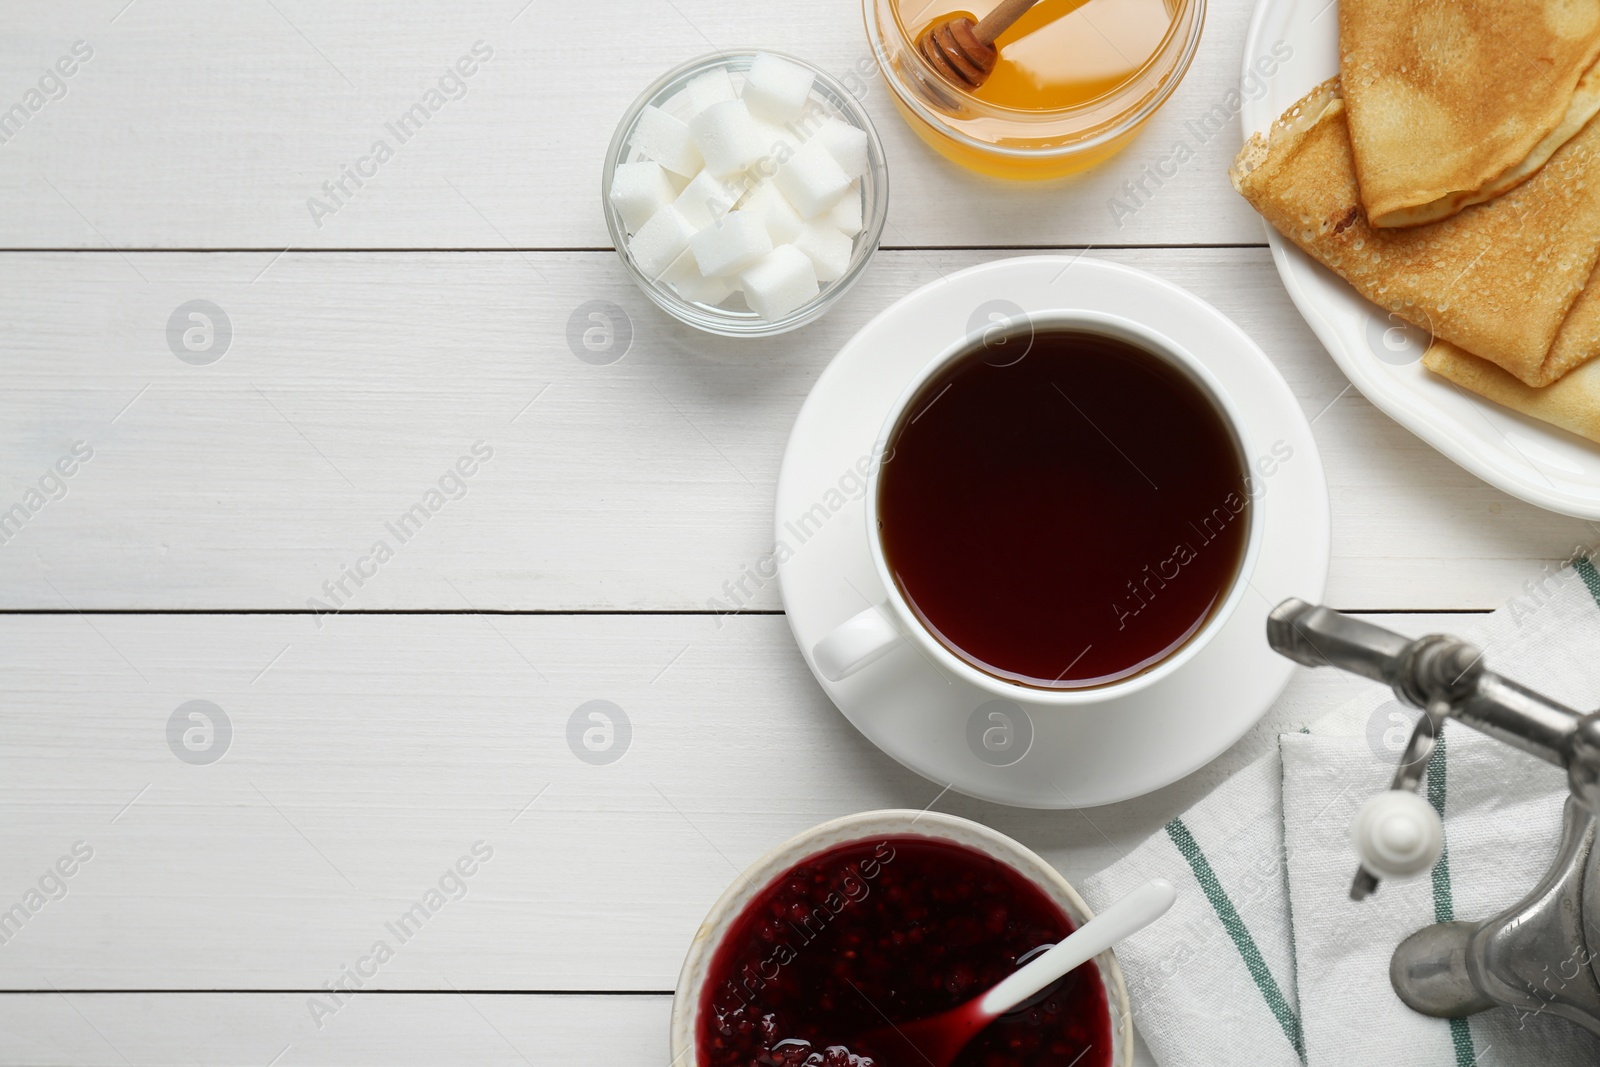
(1074, 82)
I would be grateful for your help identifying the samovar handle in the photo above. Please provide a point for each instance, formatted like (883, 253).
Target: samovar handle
(1446, 678)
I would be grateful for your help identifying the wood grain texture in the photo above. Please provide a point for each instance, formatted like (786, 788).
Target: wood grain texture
(255, 1030)
(368, 757)
(189, 131)
(354, 382)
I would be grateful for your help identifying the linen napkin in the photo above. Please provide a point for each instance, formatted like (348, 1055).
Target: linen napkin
(1265, 961)
(1500, 839)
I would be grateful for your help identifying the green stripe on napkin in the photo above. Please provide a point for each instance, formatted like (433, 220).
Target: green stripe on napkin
(1444, 905)
(1276, 1001)
(1590, 576)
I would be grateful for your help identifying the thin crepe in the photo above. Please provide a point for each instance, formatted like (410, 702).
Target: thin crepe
(1452, 103)
(1497, 279)
(1572, 403)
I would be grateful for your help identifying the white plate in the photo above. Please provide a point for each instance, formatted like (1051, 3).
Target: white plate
(1526, 458)
(1055, 757)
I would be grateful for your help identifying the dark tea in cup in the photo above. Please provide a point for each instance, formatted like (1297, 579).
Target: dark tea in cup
(1065, 518)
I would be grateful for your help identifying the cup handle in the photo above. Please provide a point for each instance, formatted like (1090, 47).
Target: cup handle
(853, 644)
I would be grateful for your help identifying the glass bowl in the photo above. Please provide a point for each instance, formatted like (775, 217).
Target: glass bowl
(689, 998)
(736, 319)
(1016, 143)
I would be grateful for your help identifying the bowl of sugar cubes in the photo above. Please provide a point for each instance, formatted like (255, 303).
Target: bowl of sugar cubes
(745, 192)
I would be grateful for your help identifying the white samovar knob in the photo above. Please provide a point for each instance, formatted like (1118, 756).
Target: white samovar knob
(1397, 834)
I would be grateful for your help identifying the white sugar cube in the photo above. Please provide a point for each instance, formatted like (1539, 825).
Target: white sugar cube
(847, 145)
(811, 180)
(736, 241)
(660, 241)
(777, 89)
(639, 190)
(777, 141)
(685, 277)
(827, 248)
(666, 140)
(727, 137)
(779, 282)
(704, 200)
(712, 87)
(845, 216)
(783, 223)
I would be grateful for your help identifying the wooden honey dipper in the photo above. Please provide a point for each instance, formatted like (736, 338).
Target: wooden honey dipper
(963, 51)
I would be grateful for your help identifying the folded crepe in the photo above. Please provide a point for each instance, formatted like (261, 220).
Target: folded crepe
(1497, 279)
(1453, 103)
(1572, 403)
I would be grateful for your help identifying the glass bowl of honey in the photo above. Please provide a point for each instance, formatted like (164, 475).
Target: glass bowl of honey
(1074, 82)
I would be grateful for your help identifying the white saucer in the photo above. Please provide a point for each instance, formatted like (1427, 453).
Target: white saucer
(937, 725)
(1529, 459)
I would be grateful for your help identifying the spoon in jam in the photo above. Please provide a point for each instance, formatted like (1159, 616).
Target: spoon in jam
(938, 1040)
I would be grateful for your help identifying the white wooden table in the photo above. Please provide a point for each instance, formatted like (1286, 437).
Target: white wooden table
(372, 748)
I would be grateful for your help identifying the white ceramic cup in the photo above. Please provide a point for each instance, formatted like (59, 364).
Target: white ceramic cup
(872, 634)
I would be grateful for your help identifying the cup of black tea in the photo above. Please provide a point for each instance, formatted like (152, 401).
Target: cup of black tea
(1063, 512)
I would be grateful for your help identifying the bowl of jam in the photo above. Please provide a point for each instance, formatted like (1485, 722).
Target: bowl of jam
(884, 918)
(1074, 82)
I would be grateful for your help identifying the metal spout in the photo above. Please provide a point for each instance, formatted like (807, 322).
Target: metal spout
(1429, 972)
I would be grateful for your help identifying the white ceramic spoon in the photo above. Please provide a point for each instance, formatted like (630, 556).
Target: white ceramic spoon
(938, 1039)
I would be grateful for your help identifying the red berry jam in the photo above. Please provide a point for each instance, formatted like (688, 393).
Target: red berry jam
(892, 931)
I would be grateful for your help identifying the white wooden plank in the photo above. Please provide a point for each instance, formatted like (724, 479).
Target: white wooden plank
(367, 757)
(161, 144)
(354, 381)
(383, 1029)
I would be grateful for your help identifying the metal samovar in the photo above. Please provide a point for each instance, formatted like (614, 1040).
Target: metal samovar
(1541, 954)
